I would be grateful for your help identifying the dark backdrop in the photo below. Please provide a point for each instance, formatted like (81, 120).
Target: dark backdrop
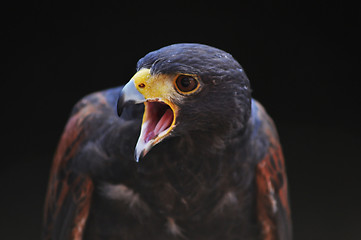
(303, 60)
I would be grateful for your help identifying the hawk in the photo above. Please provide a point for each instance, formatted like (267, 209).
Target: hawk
(182, 151)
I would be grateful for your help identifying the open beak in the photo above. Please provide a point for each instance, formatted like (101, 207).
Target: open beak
(159, 113)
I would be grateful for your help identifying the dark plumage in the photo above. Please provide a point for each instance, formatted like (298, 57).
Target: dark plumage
(211, 165)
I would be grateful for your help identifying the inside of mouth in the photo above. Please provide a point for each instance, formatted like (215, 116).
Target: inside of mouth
(159, 118)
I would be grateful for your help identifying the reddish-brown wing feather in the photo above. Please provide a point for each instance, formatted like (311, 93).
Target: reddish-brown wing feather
(272, 198)
(69, 194)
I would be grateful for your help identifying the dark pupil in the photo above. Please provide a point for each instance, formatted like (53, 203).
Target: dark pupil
(186, 82)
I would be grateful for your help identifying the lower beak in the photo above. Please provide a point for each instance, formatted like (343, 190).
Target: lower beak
(158, 122)
(158, 119)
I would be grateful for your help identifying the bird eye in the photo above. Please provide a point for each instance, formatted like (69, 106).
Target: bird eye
(185, 83)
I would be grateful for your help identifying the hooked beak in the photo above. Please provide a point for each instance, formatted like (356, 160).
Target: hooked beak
(129, 95)
(159, 112)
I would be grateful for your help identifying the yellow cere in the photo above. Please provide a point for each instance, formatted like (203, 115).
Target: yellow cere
(153, 87)
(141, 76)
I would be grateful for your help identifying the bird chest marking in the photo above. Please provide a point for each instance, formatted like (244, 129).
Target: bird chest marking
(173, 228)
(229, 199)
(126, 195)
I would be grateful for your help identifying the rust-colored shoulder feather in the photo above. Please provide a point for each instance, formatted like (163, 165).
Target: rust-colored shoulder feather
(69, 193)
(271, 180)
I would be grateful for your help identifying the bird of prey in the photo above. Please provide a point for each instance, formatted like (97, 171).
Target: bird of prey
(182, 151)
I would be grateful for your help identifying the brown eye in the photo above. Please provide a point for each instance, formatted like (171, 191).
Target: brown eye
(186, 83)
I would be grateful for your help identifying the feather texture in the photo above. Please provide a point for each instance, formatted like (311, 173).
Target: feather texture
(221, 175)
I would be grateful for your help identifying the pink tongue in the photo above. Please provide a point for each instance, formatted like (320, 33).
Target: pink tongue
(164, 122)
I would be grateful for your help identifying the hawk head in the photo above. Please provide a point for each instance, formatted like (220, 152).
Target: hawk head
(187, 88)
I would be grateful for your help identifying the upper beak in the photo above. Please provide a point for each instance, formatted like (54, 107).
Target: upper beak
(129, 95)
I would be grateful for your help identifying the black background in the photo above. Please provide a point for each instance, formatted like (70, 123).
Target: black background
(303, 60)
